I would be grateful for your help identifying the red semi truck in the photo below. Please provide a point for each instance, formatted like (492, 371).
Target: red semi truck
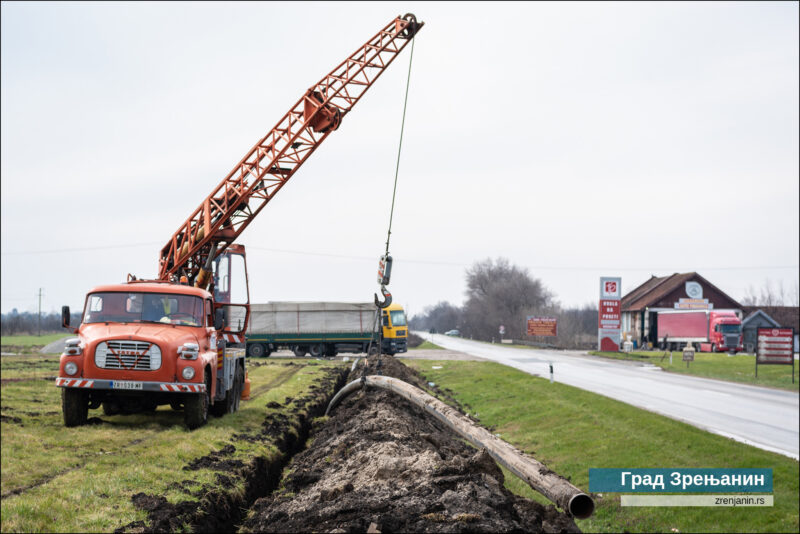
(707, 330)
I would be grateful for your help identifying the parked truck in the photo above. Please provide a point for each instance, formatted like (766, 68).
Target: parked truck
(707, 330)
(325, 328)
(179, 339)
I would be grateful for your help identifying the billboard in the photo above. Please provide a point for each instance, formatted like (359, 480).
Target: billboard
(609, 315)
(542, 326)
(775, 346)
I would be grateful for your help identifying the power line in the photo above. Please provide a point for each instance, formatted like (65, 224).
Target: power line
(434, 262)
(81, 249)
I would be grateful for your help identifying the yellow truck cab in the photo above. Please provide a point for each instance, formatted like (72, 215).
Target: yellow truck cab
(395, 329)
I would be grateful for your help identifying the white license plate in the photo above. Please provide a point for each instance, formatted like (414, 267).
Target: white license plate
(126, 384)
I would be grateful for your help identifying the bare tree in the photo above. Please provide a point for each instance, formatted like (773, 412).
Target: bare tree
(499, 293)
(769, 296)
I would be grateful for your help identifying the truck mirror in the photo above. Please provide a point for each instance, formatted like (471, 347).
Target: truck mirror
(65, 316)
(219, 319)
(235, 318)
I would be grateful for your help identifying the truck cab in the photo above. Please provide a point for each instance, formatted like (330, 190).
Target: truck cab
(395, 329)
(725, 332)
(142, 344)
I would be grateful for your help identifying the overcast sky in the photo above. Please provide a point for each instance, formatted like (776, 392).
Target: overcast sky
(577, 140)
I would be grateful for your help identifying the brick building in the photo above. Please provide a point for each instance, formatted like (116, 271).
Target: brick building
(677, 291)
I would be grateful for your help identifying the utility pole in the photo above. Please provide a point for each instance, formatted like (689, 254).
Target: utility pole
(39, 318)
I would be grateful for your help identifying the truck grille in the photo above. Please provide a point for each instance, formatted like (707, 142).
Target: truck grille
(732, 341)
(128, 355)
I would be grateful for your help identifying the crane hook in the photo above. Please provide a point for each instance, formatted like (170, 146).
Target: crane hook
(387, 298)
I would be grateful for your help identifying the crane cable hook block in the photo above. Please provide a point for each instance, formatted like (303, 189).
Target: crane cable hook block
(387, 298)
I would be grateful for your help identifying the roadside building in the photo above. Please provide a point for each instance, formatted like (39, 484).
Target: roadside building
(769, 317)
(677, 291)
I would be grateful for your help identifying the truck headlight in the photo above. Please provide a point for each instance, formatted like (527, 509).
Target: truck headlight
(71, 368)
(100, 352)
(187, 373)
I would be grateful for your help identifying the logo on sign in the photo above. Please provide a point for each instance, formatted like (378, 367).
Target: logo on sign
(611, 287)
(775, 332)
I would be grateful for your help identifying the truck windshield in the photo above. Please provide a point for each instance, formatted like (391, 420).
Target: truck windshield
(143, 308)
(730, 328)
(398, 318)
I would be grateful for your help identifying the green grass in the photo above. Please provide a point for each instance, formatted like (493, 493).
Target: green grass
(427, 345)
(739, 368)
(571, 430)
(15, 342)
(82, 479)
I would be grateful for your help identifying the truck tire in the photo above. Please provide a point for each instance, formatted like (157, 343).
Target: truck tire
(75, 406)
(713, 347)
(111, 408)
(255, 350)
(299, 351)
(231, 401)
(316, 351)
(195, 407)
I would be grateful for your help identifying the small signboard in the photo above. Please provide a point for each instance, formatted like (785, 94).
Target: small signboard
(542, 326)
(775, 347)
(693, 304)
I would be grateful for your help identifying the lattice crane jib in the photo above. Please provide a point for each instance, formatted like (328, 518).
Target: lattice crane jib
(266, 168)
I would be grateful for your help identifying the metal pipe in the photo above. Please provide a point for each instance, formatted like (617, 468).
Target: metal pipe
(534, 473)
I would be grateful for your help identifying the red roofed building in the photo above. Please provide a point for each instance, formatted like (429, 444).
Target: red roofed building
(679, 290)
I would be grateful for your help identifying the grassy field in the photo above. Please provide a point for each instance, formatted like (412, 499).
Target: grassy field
(427, 345)
(15, 343)
(739, 368)
(57, 479)
(571, 430)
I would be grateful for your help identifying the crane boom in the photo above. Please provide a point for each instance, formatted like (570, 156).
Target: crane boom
(266, 168)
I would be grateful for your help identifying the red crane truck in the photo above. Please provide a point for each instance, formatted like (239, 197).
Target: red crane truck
(707, 330)
(179, 339)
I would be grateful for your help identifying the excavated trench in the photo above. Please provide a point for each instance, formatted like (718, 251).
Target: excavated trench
(377, 464)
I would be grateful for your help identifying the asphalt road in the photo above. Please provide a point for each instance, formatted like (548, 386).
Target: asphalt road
(763, 417)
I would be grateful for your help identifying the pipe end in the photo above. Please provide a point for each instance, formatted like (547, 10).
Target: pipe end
(581, 506)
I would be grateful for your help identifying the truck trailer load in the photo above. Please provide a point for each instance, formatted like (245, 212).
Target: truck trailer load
(707, 330)
(324, 328)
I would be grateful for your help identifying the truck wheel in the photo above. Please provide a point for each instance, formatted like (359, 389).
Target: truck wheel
(75, 406)
(110, 408)
(238, 386)
(316, 351)
(713, 347)
(195, 407)
(255, 350)
(299, 351)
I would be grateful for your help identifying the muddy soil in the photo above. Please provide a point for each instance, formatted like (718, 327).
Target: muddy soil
(221, 507)
(379, 464)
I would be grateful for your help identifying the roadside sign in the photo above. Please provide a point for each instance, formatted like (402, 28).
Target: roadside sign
(775, 347)
(609, 317)
(542, 326)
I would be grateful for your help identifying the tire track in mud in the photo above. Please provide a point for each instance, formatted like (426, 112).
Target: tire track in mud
(221, 508)
(291, 369)
(47, 478)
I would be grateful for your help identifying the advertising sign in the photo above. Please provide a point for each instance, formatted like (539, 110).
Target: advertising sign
(775, 346)
(693, 304)
(542, 326)
(609, 314)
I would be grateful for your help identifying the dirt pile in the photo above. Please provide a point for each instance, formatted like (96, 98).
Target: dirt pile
(379, 464)
(221, 506)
